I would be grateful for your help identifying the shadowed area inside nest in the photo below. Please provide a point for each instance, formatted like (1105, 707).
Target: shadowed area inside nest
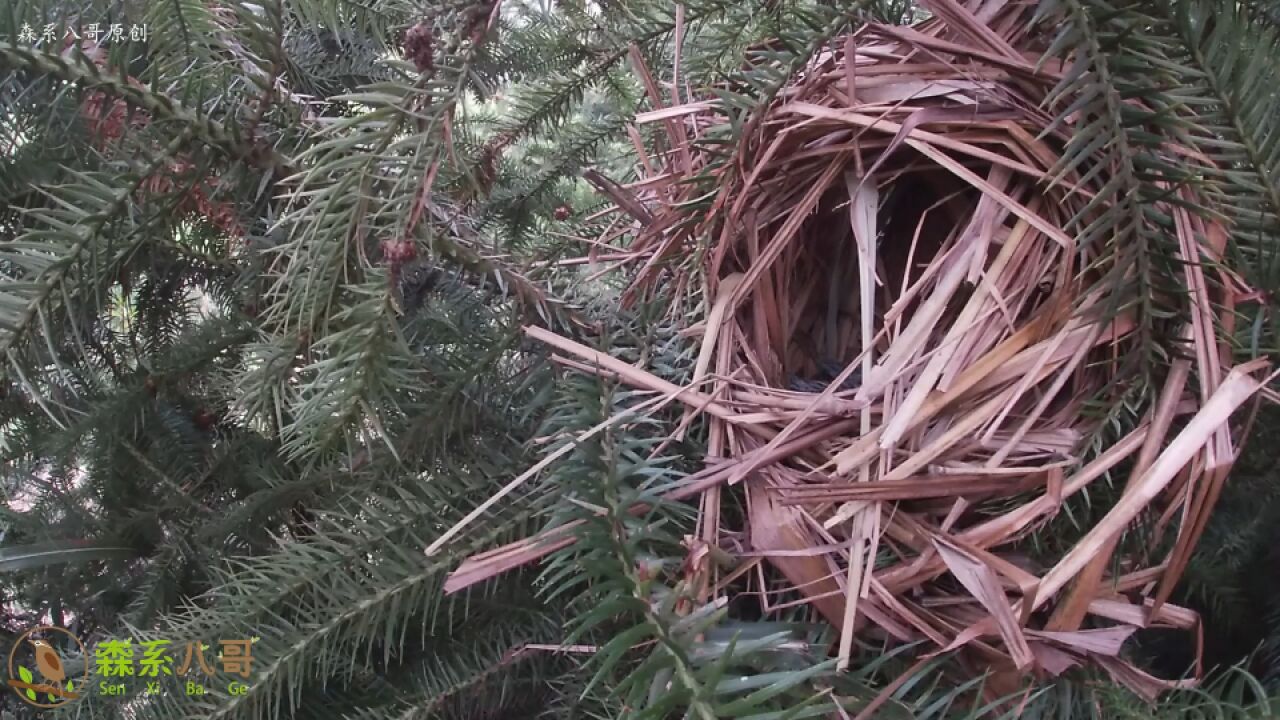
(919, 209)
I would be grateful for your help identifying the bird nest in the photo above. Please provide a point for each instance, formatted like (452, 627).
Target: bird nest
(901, 337)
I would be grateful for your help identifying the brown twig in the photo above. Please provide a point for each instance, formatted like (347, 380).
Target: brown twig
(625, 199)
(65, 694)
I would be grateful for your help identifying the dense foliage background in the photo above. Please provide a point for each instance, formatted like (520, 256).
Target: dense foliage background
(262, 275)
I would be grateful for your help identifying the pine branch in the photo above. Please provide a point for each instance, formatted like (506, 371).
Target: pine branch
(81, 70)
(84, 209)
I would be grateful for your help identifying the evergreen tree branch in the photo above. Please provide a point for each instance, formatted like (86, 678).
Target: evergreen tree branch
(76, 68)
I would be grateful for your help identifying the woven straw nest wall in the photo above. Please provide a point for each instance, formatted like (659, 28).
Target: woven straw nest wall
(902, 334)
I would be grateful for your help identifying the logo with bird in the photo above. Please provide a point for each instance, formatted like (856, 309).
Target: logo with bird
(37, 671)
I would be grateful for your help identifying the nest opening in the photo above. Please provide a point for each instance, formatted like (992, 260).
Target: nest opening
(919, 210)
